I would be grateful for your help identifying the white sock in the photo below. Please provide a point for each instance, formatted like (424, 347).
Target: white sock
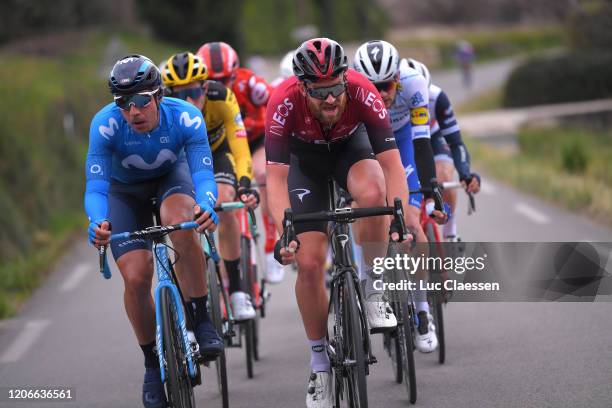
(319, 360)
(450, 228)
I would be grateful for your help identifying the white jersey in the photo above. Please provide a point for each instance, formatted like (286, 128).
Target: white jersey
(411, 103)
(441, 115)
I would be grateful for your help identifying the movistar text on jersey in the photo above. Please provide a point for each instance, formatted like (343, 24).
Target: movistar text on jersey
(411, 264)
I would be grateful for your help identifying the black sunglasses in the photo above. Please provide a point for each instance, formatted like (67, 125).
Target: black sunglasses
(139, 100)
(385, 86)
(322, 93)
(193, 93)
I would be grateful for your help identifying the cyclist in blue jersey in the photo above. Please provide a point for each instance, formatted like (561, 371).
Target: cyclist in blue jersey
(448, 147)
(405, 94)
(143, 147)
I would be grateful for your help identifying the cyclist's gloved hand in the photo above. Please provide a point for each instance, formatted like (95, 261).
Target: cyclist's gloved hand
(205, 216)
(471, 182)
(249, 196)
(439, 216)
(99, 232)
(284, 256)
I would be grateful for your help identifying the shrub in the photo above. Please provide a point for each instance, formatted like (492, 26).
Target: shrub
(566, 78)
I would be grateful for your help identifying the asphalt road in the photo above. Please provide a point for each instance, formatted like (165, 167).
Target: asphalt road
(74, 333)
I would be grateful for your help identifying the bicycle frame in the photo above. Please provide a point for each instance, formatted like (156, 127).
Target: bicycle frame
(162, 268)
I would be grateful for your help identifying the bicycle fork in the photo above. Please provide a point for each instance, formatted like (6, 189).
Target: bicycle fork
(164, 282)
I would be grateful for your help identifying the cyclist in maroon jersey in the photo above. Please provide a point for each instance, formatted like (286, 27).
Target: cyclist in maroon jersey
(329, 121)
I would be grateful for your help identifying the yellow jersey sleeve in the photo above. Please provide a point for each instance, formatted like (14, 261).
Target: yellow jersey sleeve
(237, 137)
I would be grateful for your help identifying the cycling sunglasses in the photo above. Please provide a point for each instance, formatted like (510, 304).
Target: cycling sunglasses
(193, 93)
(385, 86)
(322, 93)
(139, 100)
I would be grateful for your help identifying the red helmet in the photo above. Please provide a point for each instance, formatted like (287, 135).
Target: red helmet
(220, 58)
(319, 58)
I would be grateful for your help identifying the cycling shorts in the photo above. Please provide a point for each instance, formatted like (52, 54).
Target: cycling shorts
(403, 139)
(224, 165)
(131, 208)
(441, 150)
(310, 166)
(256, 143)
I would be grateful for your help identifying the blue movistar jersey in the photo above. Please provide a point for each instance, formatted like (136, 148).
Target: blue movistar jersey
(117, 152)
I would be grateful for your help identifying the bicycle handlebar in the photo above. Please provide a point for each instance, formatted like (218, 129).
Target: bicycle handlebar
(150, 233)
(345, 215)
(448, 185)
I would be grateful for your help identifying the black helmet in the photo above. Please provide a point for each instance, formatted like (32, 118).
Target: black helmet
(319, 58)
(132, 74)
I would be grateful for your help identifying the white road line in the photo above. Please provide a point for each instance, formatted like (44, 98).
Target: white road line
(32, 330)
(75, 277)
(531, 213)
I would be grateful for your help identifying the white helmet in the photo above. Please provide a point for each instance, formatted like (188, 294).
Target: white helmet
(377, 60)
(420, 68)
(286, 65)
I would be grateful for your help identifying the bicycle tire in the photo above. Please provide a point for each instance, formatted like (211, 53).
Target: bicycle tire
(437, 298)
(354, 348)
(395, 353)
(214, 299)
(246, 327)
(439, 321)
(178, 383)
(406, 338)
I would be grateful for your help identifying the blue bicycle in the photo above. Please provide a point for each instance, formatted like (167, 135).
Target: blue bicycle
(178, 349)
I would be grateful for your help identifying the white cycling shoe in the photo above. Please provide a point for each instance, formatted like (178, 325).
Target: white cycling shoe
(242, 308)
(319, 392)
(380, 315)
(426, 339)
(275, 272)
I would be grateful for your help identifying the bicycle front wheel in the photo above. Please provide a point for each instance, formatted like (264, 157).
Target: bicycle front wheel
(178, 383)
(247, 327)
(354, 348)
(214, 298)
(405, 335)
(437, 296)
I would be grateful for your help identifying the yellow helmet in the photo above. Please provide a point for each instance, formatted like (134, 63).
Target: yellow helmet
(184, 68)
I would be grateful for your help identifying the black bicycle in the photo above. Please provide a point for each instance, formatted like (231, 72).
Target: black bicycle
(349, 346)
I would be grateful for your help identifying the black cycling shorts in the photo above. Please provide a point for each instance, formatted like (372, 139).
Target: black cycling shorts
(130, 206)
(310, 166)
(223, 164)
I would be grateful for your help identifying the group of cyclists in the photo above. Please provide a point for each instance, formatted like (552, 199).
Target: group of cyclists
(195, 131)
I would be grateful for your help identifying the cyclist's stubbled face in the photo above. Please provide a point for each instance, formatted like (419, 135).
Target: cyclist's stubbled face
(388, 94)
(329, 110)
(145, 119)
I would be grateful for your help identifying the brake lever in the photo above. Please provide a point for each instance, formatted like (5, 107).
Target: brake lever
(398, 219)
(213, 249)
(104, 269)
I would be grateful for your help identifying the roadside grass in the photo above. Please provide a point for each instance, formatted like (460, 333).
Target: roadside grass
(566, 166)
(486, 101)
(42, 176)
(437, 47)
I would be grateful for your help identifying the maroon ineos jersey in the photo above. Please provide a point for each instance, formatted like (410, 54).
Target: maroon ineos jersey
(288, 116)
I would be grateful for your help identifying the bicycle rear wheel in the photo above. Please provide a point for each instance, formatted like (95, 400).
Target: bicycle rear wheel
(247, 327)
(354, 348)
(214, 299)
(178, 383)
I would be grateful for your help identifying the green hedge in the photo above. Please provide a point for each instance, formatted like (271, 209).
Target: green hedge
(566, 78)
